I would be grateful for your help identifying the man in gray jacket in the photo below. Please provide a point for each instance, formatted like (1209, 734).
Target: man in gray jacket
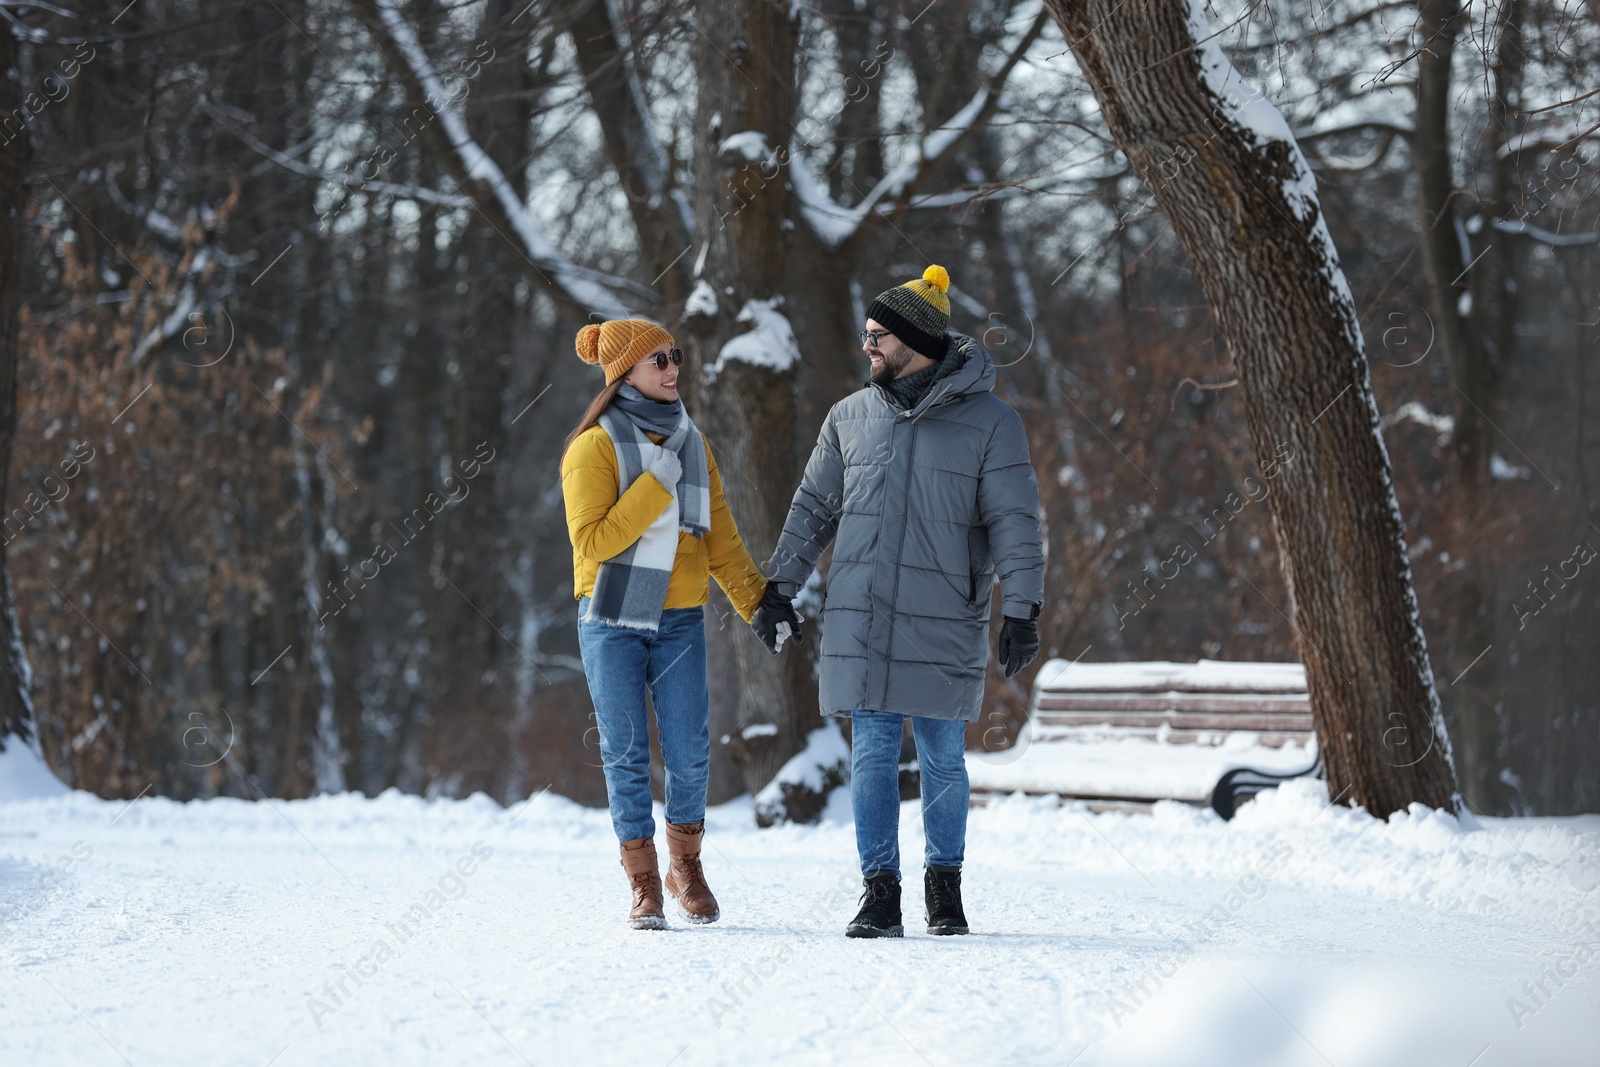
(922, 482)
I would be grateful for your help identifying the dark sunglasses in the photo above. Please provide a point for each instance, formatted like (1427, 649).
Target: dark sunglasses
(874, 338)
(660, 359)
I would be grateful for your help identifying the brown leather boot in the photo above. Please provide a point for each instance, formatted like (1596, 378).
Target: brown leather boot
(686, 881)
(643, 870)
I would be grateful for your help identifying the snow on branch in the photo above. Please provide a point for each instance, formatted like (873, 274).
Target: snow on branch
(1353, 164)
(834, 224)
(769, 342)
(1386, 128)
(1256, 116)
(1413, 411)
(178, 320)
(1400, 126)
(1549, 237)
(479, 175)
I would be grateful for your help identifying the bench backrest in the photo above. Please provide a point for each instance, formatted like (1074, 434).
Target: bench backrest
(1180, 703)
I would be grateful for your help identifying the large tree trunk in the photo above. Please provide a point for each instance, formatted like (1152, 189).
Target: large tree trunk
(16, 711)
(744, 60)
(1227, 173)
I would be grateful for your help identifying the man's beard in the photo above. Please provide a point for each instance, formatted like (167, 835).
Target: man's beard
(892, 365)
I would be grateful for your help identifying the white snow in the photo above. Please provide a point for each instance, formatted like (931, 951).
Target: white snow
(768, 343)
(1443, 425)
(702, 300)
(24, 775)
(342, 930)
(1501, 469)
(1208, 674)
(748, 145)
(825, 750)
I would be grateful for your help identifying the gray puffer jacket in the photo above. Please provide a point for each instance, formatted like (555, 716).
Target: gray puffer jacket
(927, 507)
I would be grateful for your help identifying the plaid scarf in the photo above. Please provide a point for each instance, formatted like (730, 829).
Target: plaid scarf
(630, 588)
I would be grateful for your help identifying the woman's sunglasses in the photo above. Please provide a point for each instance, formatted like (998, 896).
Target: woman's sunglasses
(660, 359)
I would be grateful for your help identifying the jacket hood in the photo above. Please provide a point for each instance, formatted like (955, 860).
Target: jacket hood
(967, 368)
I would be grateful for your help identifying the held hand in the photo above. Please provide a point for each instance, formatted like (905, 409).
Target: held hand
(1019, 644)
(667, 468)
(775, 620)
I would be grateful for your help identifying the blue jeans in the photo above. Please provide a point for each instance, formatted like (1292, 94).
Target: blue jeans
(620, 665)
(875, 788)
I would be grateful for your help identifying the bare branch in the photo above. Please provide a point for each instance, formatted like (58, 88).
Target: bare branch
(350, 181)
(480, 177)
(835, 224)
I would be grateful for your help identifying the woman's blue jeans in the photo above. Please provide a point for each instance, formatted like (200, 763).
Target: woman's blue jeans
(621, 664)
(875, 788)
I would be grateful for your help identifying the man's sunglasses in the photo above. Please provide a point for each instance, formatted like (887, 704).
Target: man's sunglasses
(660, 359)
(872, 338)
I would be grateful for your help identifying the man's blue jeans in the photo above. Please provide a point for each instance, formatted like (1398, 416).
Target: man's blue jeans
(620, 665)
(875, 788)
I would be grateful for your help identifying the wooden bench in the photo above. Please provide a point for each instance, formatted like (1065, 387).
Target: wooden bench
(1121, 736)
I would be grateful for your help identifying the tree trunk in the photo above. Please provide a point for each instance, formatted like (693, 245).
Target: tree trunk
(424, 357)
(1469, 295)
(1443, 242)
(476, 657)
(1227, 173)
(744, 59)
(16, 709)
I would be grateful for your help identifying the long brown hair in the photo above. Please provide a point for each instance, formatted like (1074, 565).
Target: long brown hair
(591, 416)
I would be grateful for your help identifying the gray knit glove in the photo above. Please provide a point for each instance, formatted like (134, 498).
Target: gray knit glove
(667, 468)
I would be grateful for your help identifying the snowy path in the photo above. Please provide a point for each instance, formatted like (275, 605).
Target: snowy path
(219, 933)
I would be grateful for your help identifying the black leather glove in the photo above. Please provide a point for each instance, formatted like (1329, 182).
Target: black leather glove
(777, 608)
(1019, 643)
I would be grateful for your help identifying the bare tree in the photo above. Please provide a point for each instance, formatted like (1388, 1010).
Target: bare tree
(1472, 296)
(16, 709)
(1227, 172)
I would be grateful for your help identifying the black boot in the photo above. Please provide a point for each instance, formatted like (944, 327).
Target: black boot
(941, 890)
(880, 908)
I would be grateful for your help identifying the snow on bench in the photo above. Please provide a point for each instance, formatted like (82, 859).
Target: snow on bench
(1120, 736)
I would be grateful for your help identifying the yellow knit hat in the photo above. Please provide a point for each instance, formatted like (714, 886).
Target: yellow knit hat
(918, 312)
(620, 344)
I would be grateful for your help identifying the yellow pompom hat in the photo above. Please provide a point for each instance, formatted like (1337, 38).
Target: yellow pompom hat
(619, 344)
(917, 312)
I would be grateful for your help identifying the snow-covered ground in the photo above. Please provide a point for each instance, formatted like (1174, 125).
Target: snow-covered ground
(343, 931)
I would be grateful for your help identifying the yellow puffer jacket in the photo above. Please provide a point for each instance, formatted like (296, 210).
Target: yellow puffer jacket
(602, 524)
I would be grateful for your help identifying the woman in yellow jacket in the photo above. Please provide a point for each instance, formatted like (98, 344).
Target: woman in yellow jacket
(649, 526)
